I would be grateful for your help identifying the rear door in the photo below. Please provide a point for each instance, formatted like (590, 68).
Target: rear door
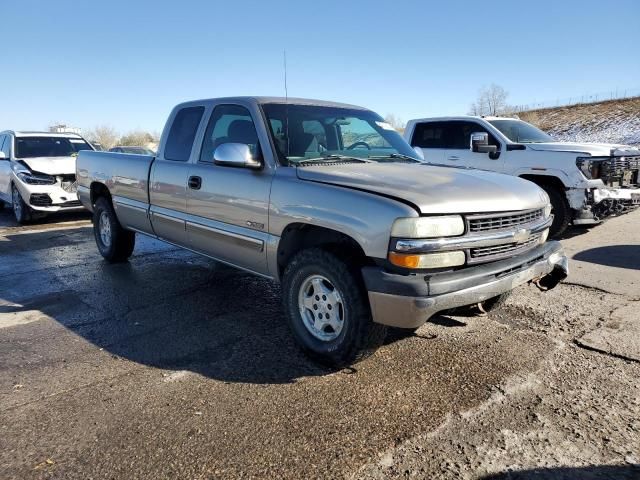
(229, 206)
(430, 138)
(168, 177)
(458, 151)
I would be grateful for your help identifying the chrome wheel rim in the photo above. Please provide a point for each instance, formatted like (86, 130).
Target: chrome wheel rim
(104, 229)
(321, 308)
(17, 205)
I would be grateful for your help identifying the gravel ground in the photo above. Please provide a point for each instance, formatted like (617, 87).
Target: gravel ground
(175, 367)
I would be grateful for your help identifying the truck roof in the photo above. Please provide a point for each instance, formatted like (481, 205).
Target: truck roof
(460, 117)
(291, 100)
(40, 134)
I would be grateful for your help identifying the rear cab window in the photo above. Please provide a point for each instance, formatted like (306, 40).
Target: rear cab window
(183, 133)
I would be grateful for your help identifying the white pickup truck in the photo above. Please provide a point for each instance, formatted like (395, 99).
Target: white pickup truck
(586, 182)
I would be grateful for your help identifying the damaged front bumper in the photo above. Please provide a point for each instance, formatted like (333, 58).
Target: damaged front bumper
(408, 301)
(593, 205)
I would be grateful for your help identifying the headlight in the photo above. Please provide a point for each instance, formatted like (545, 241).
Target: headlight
(428, 227)
(35, 179)
(585, 165)
(428, 260)
(547, 210)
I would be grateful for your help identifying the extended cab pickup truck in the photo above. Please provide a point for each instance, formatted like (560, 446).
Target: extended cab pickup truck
(329, 200)
(586, 182)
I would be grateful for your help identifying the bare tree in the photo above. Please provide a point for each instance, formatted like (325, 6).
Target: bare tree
(104, 135)
(395, 122)
(138, 138)
(492, 100)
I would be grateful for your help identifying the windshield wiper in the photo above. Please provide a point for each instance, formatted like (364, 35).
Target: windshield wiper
(394, 155)
(332, 158)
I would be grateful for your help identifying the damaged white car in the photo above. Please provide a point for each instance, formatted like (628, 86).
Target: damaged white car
(37, 172)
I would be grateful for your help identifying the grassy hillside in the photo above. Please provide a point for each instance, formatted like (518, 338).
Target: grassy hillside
(615, 121)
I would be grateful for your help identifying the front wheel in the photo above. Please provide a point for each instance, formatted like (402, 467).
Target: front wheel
(114, 242)
(560, 210)
(327, 309)
(21, 210)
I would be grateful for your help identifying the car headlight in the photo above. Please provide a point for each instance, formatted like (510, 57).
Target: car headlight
(35, 179)
(547, 210)
(585, 165)
(428, 227)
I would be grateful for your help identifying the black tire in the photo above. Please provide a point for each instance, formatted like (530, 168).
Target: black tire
(359, 336)
(119, 243)
(1, 204)
(560, 210)
(21, 210)
(495, 303)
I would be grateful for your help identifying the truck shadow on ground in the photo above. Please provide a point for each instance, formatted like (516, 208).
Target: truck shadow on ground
(620, 256)
(166, 309)
(600, 472)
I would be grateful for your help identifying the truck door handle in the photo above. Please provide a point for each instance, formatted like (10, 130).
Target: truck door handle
(453, 157)
(195, 183)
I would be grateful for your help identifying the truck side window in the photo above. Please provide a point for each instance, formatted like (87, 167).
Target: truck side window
(229, 124)
(182, 133)
(429, 135)
(458, 134)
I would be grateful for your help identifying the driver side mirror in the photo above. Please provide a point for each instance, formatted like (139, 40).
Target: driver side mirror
(235, 155)
(480, 143)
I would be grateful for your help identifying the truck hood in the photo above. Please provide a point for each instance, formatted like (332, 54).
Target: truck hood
(593, 149)
(433, 189)
(51, 165)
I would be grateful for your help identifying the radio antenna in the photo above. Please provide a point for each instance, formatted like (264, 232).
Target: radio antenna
(284, 58)
(286, 103)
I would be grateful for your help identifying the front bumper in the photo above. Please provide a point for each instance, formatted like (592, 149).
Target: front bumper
(603, 202)
(48, 198)
(409, 301)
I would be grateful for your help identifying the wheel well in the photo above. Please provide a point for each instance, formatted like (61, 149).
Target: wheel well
(299, 236)
(545, 180)
(98, 190)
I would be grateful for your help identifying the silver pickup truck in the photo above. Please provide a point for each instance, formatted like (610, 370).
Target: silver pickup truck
(330, 201)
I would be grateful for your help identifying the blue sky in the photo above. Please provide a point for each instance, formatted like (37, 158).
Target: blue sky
(126, 63)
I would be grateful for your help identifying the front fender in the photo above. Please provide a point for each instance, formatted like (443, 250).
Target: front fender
(365, 217)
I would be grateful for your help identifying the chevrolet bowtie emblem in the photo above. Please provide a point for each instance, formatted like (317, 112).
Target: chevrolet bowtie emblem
(521, 235)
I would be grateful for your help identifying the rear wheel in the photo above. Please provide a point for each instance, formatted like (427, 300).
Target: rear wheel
(21, 210)
(560, 210)
(327, 309)
(114, 242)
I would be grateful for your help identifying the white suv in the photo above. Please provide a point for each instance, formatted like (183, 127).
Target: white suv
(37, 172)
(586, 182)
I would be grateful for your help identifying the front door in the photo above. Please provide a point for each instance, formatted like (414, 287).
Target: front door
(229, 206)
(458, 143)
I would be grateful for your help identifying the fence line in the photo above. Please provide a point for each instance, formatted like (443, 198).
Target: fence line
(616, 94)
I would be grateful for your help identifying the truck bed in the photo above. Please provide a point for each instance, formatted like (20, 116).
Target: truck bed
(127, 178)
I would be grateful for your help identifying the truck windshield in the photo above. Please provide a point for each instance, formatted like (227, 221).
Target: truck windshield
(305, 133)
(30, 147)
(521, 132)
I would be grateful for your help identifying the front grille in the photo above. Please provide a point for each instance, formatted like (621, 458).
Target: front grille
(40, 200)
(502, 221)
(72, 203)
(486, 254)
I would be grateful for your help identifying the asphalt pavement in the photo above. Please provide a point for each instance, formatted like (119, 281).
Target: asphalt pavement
(174, 366)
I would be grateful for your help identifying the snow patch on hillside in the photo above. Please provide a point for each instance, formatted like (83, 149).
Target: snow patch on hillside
(607, 122)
